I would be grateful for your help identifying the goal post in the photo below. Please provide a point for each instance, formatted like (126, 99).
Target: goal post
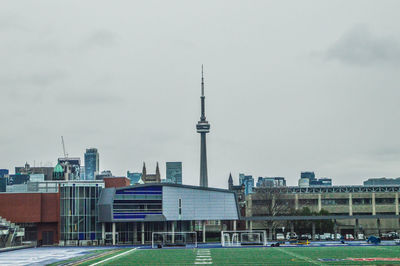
(174, 239)
(242, 238)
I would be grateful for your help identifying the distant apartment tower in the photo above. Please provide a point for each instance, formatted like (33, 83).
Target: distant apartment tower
(134, 177)
(91, 163)
(248, 182)
(174, 172)
(307, 179)
(4, 173)
(383, 181)
(72, 168)
(271, 182)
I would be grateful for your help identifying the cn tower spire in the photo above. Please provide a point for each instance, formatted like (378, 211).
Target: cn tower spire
(202, 97)
(203, 127)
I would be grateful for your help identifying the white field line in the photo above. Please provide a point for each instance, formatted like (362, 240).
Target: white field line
(113, 257)
(203, 257)
(299, 256)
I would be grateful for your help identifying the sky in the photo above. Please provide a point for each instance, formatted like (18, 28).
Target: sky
(290, 86)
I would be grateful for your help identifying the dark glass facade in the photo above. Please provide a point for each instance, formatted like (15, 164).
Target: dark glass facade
(174, 172)
(91, 163)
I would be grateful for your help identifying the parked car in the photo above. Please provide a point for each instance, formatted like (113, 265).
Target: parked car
(390, 236)
(360, 236)
(316, 237)
(349, 237)
(336, 237)
(305, 237)
(326, 236)
(290, 235)
(280, 237)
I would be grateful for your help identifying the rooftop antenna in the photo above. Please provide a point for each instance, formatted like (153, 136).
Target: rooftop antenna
(63, 144)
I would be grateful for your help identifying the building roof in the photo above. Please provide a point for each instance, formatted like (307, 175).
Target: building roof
(177, 185)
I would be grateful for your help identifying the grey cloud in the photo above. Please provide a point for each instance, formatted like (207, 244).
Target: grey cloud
(86, 97)
(39, 79)
(100, 38)
(360, 46)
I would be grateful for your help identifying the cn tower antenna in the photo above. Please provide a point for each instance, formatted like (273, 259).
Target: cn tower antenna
(203, 127)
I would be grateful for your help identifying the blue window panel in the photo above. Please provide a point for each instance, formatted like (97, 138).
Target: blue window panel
(136, 213)
(129, 216)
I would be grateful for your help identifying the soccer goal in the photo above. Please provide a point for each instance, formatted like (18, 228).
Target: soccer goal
(174, 239)
(242, 238)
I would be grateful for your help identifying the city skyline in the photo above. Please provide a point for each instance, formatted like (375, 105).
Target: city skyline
(288, 94)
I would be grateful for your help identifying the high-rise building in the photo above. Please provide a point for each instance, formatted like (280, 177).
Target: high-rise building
(271, 182)
(174, 172)
(307, 179)
(4, 173)
(72, 167)
(248, 182)
(203, 127)
(134, 177)
(91, 163)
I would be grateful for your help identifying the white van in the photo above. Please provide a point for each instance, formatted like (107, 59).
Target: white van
(280, 237)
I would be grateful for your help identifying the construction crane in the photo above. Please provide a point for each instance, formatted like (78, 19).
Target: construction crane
(63, 144)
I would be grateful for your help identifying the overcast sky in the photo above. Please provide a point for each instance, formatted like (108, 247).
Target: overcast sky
(291, 86)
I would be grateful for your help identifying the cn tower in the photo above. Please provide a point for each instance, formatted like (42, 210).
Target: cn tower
(203, 127)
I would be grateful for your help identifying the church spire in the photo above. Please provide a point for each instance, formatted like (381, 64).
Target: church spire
(144, 169)
(230, 181)
(157, 170)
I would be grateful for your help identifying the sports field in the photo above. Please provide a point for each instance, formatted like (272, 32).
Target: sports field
(346, 255)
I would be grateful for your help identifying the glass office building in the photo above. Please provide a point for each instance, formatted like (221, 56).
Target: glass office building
(4, 173)
(79, 211)
(248, 182)
(91, 163)
(174, 172)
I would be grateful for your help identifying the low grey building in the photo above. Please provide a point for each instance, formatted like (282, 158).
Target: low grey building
(131, 214)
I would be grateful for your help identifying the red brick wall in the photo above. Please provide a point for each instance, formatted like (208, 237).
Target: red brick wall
(40, 208)
(117, 182)
(50, 207)
(21, 207)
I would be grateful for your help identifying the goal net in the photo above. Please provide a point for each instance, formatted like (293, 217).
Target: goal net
(174, 239)
(241, 238)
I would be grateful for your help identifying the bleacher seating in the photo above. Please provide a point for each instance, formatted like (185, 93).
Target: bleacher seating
(10, 234)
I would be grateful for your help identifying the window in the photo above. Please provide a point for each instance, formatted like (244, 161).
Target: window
(335, 201)
(180, 206)
(384, 201)
(308, 201)
(362, 201)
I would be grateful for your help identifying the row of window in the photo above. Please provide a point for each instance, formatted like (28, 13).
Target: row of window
(356, 201)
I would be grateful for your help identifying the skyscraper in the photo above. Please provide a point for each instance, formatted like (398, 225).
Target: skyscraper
(174, 172)
(91, 163)
(248, 182)
(203, 127)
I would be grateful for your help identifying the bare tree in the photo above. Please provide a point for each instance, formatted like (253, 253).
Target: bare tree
(271, 202)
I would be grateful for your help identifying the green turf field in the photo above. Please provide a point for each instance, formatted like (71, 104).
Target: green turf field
(256, 256)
